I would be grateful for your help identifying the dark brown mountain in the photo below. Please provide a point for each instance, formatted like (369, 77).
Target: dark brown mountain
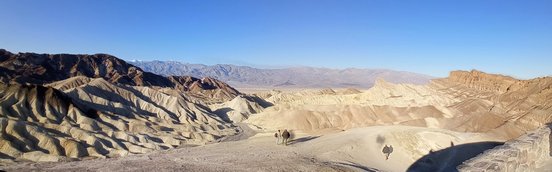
(32, 68)
(45, 68)
(206, 88)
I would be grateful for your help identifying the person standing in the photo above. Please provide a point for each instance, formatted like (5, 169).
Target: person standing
(387, 151)
(277, 135)
(285, 136)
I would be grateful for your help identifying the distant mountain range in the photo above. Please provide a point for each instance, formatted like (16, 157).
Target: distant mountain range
(293, 77)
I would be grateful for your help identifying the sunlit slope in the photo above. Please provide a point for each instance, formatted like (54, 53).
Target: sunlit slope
(466, 101)
(98, 118)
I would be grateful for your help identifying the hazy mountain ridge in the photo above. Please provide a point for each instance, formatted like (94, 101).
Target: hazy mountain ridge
(297, 77)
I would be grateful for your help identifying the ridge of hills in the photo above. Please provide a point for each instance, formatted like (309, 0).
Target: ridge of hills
(100, 119)
(41, 69)
(60, 107)
(466, 101)
(293, 77)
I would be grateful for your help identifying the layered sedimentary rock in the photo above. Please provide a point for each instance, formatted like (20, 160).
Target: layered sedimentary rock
(55, 107)
(486, 82)
(516, 106)
(205, 88)
(99, 119)
(466, 101)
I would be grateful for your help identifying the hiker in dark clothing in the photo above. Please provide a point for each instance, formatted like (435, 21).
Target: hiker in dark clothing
(387, 150)
(285, 137)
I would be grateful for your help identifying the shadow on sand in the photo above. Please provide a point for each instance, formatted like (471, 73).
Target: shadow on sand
(356, 166)
(302, 139)
(449, 158)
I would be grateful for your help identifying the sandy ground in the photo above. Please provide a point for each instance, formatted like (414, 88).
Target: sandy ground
(254, 153)
(255, 150)
(547, 167)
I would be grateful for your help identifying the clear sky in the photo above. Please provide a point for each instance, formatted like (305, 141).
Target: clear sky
(429, 37)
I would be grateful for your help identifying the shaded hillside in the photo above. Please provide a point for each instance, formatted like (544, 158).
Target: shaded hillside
(205, 88)
(297, 77)
(99, 119)
(63, 106)
(45, 68)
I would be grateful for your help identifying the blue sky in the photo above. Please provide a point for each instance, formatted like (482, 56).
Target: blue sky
(429, 37)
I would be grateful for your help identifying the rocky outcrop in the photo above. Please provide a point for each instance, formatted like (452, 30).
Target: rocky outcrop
(527, 153)
(486, 82)
(500, 104)
(208, 88)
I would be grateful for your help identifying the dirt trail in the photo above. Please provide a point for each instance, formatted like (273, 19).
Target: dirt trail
(244, 133)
